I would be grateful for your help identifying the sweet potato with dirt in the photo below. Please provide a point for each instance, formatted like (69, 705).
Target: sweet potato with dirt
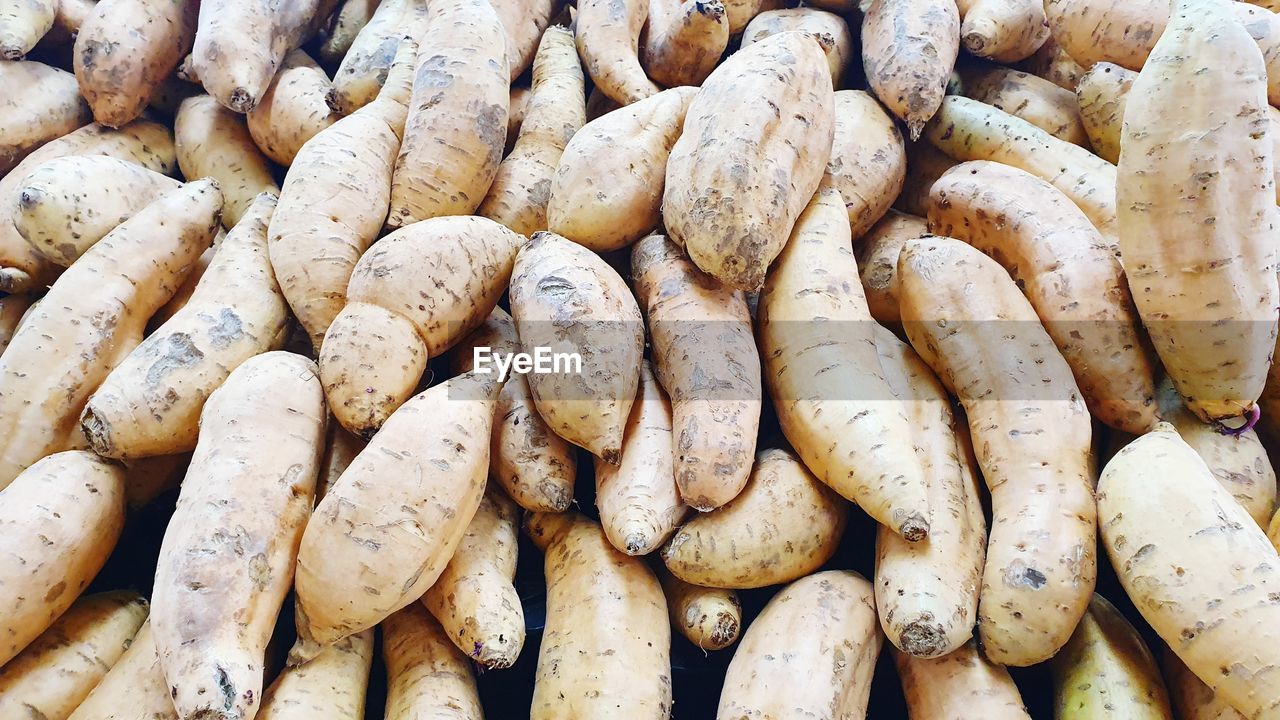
(333, 685)
(427, 677)
(963, 685)
(393, 520)
(12, 309)
(1024, 95)
(334, 201)
(607, 33)
(1005, 31)
(810, 652)
(607, 189)
(214, 142)
(1032, 434)
(366, 66)
(607, 641)
(92, 317)
(376, 349)
(1102, 95)
(1197, 210)
(524, 22)
(743, 170)
(22, 24)
(1191, 698)
(244, 503)
(710, 618)
(151, 402)
(134, 688)
(43, 103)
(336, 39)
(706, 359)
(457, 125)
(566, 299)
(61, 519)
(556, 110)
(908, 50)
(824, 377)
(829, 29)
(1053, 63)
(293, 109)
(877, 257)
(783, 525)
(683, 40)
(868, 162)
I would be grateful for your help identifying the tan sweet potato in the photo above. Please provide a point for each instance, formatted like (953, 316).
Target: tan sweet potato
(43, 103)
(1032, 435)
(336, 39)
(92, 317)
(1003, 30)
(151, 402)
(518, 104)
(22, 24)
(1024, 95)
(908, 50)
(810, 653)
(1192, 699)
(188, 286)
(134, 689)
(829, 29)
(457, 123)
(524, 22)
(214, 142)
(961, 686)
(607, 189)
(61, 519)
(868, 160)
(333, 685)
(292, 109)
(12, 310)
(742, 170)
(149, 478)
(877, 257)
(683, 40)
(367, 64)
(1053, 63)
(607, 642)
(708, 617)
(1102, 94)
(925, 164)
(607, 33)
(566, 299)
(427, 677)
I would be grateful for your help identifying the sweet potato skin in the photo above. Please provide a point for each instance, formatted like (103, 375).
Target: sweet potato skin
(215, 142)
(1024, 95)
(333, 685)
(608, 36)
(908, 50)
(963, 685)
(868, 162)
(877, 256)
(683, 41)
(134, 689)
(293, 108)
(51, 107)
(426, 675)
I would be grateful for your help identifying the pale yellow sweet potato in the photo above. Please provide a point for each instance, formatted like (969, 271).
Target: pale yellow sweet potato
(292, 109)
(332, 686)
(427, 677)
(1005, 31)
(908, 50)
(925, 164)
(213, 141)
(149, 478)
(336, 39)
(524, 22)
(22, 24)
(1024, 95)
(188, 286)
(1102, 95)
(367, 64)
(42, 103)
(134, 689)
(71, 14)
(61, 519)
(12, 309)
(607, 33)
(877, 257)
(683, 40)
(868, 162)
(829, 29)
(963, 685)
(518, 104)
(1192, 699)
(1053, 63)
(710, 618)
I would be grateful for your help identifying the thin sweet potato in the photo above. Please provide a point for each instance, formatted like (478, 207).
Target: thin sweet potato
(367, 64)
(1192, 699)
(12, 310)
(336, 39)
(683, 41)
(1053, 63)
(829, 29)
(908, 50)
(134, 689)
(608, 37)
(524, 22)
(22, 24)
(334, 685)
(1102, 95)
(1024, 95)
(708, 617)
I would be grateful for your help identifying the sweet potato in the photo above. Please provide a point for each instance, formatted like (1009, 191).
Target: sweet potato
(566, 299)
(53, 675)
(961, 686)
(524, 23)
(607, 189)
(215, 142)
(599, 104)
(1024, 95)
(1003, 30)
(783, 525)
(740, 12)
(336, 39)
(1198, 211)
(927, 592)
(427, 677)
(60, 520)
(908, 50)
(607, 33)
(877, 256)
(292, 109)
(683, 41)
(134, 688)
(830, 395)
(68, 204)
(1032, 435)
(1199, 570)
(334, 201)
(1102, 94)
(126, 48)
(457, 123)
(188, 286)
(22, 24)
(1053, 63)
(43, 103)
(708, 617)
(1106, 670)
(69, 15)
(143, 142)
(474, 599)
(829, 29)
(333, 685)
(556, 110)
(149, 478)
(422, 289)
(151, 402)
(706, 359)
(607, 642)
(1067, 271)
(518, 104)
(868, 160)
(925, 164)
(1192, 699)
(390, 524)
(92, 317)
(638, 499)
(367, 64)
(12, 309)
(810, 653)
(246, 499)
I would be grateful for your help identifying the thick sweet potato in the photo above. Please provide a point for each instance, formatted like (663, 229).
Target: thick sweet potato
(877, 256)
(42, 103)
(868, 162)
(683, 40)
(963, 685)
(829, 29)
(293, 109)
(22, 24)
(1003, 30)
(134, 689)
(908, 50)
(214, 142)
(1102, 95)
(427, 677)
(332, 686)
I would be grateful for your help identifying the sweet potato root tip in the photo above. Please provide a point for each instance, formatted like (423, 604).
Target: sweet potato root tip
(923, 637)
(915, 528)
(1252, 418)
(242, 101)
(97, 432)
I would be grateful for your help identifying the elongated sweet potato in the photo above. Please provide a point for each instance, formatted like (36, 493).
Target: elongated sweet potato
(877, 256)
(607, 189)
(963, 685)
(908, 50)
(336, 39)
(1003, 30)
(150, 403)
(518, 105)
(22, 24)
(335, 199)
(457, 123)
(1199, 570)
(810, 652)
(927, 592)
(367, 64)
(1024, 95)
(1191, 698)
(1066, 270)
(293, 108)
(608, 37)
(54, 674)
(68, 204)
(12, 310)
(246, 499)
(708, 617)
(214, 142)
(607, 642)
(566, 299)
(1053, 63)
(683, 41)
(1198, 210)
(825, 380)
(126, 48)
(925, 164)
(524, 22)
(556, 110)
(706, 359)
(1102, 95)
(392, 521)
(333, 685)
(743, 170)
(43, 103)
(968, 321)
(868, 160)
(829, 29)
(474, 599)
(134, 688)
(427, 677)
(92, 317)
(61, 519)
(638, 499)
